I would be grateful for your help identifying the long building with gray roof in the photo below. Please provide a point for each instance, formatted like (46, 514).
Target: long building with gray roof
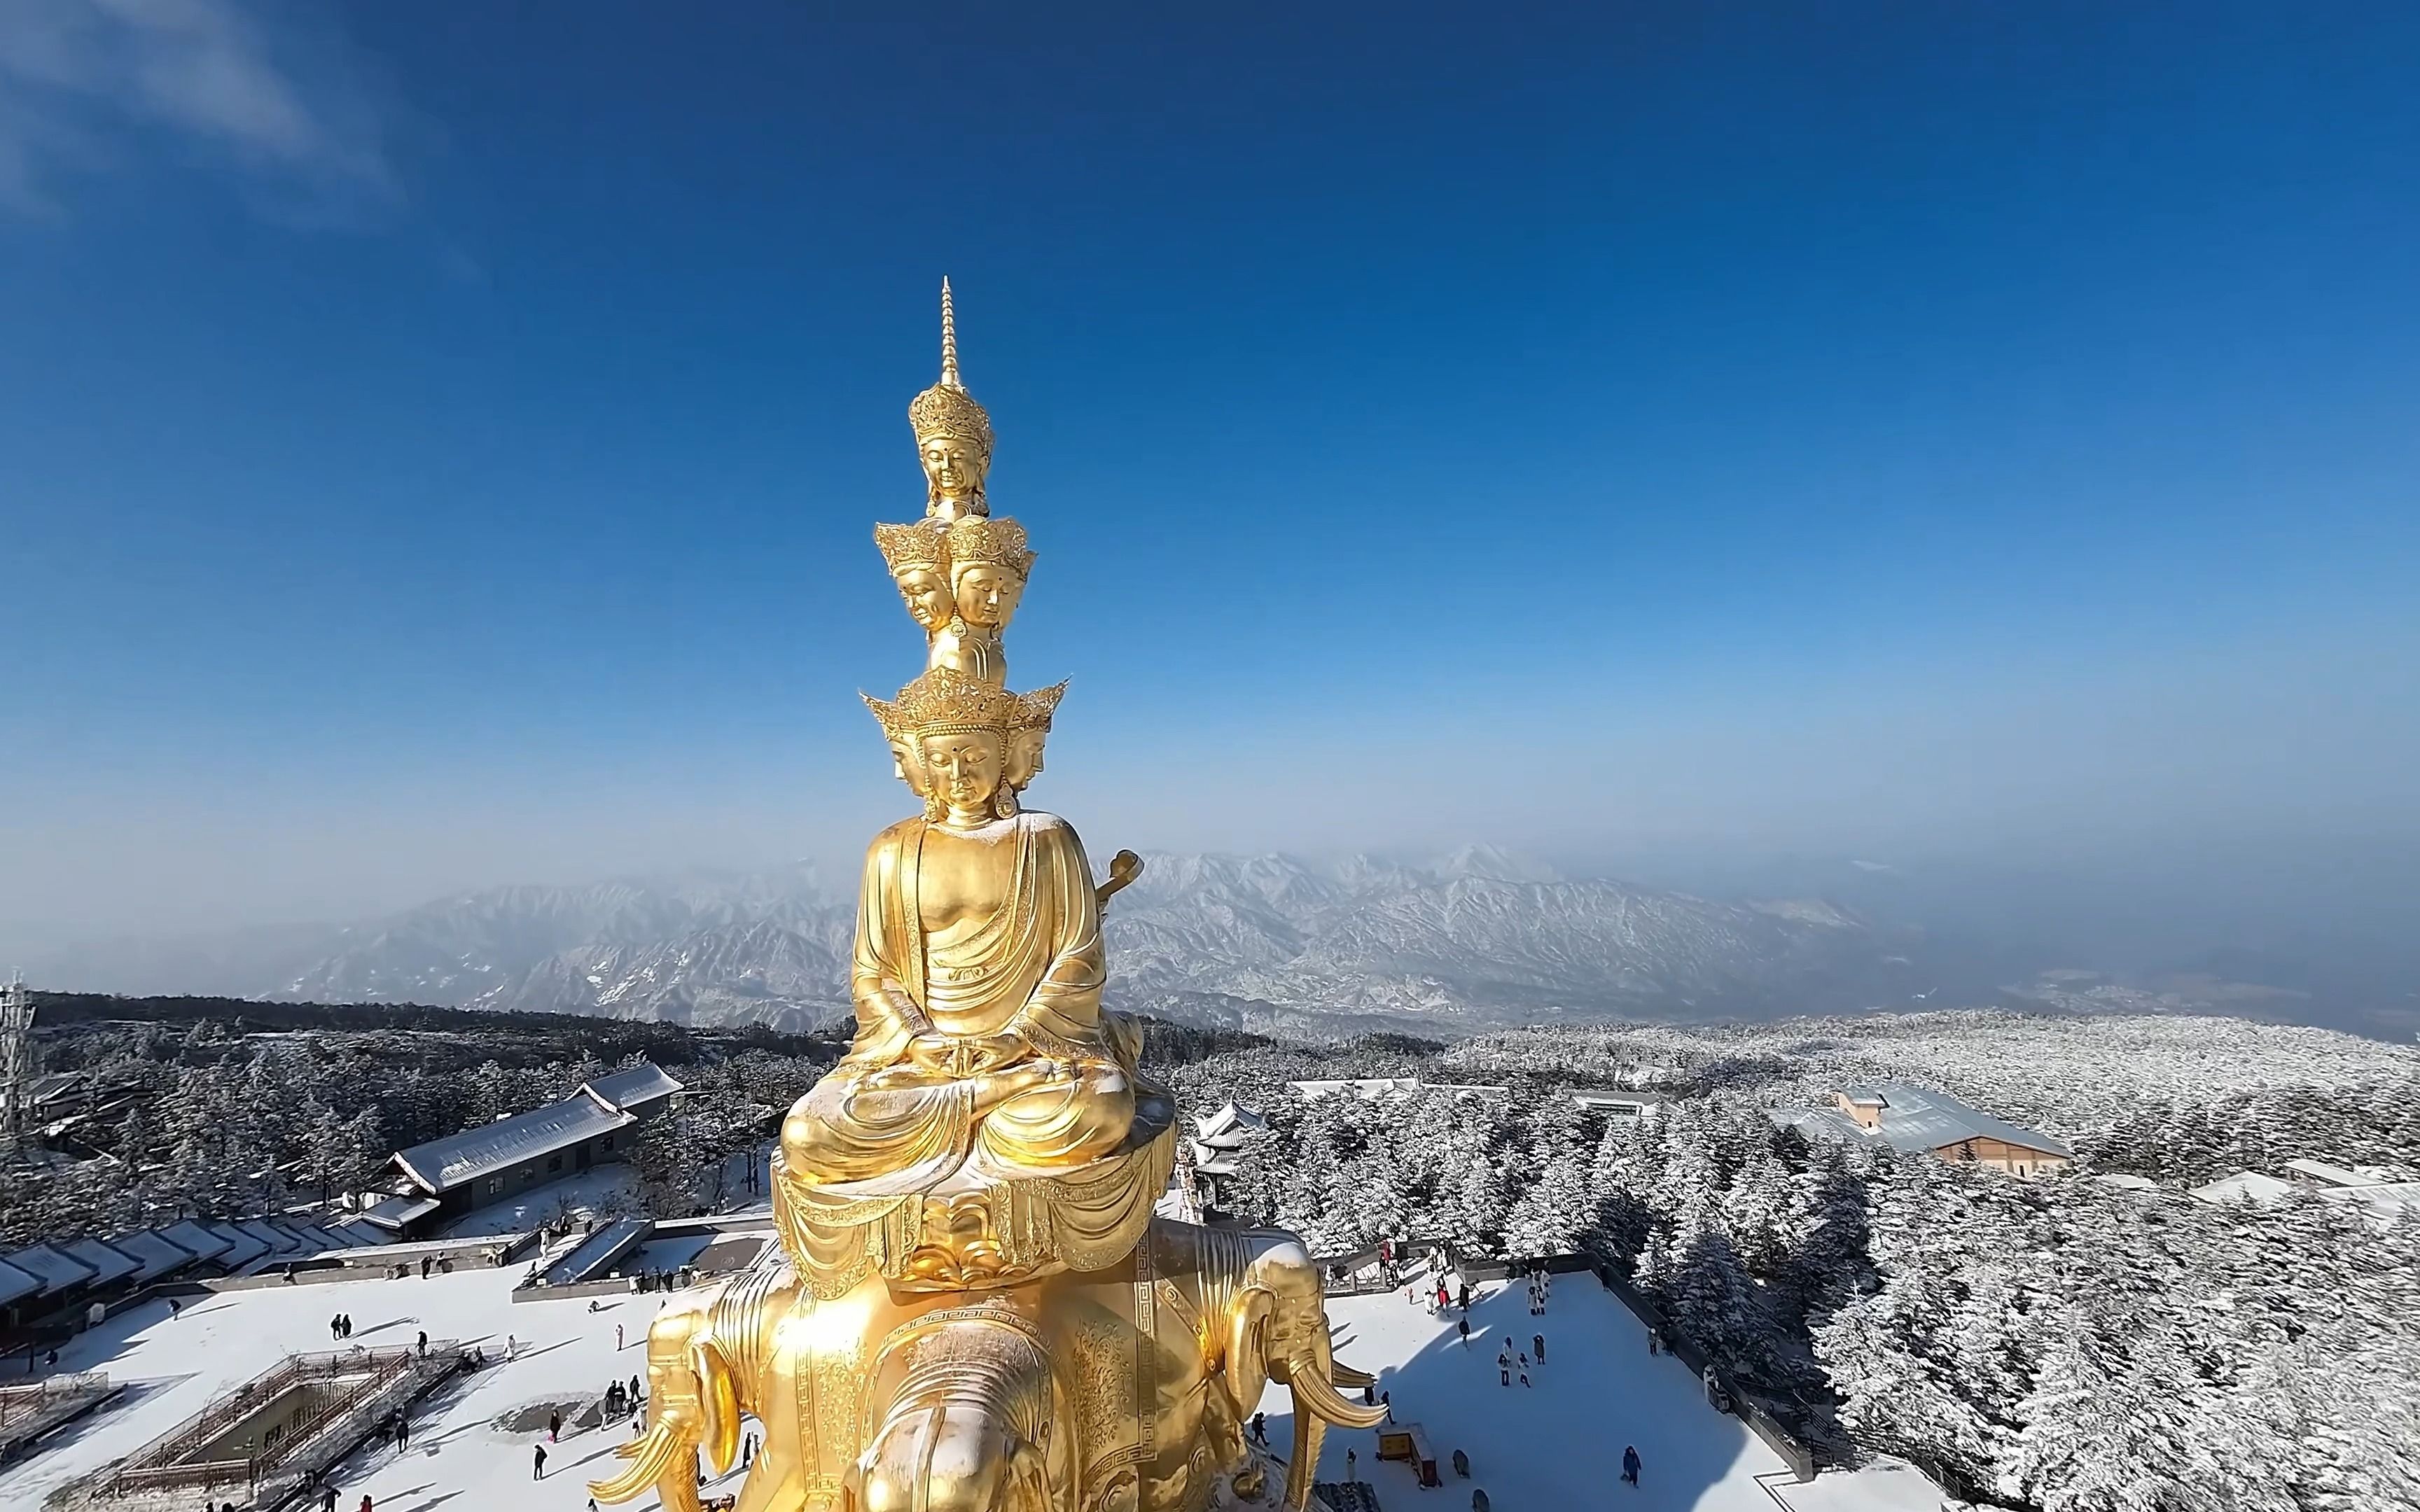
(495, 1162)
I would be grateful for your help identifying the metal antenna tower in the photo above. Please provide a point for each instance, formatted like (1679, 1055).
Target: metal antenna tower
(16, 1061)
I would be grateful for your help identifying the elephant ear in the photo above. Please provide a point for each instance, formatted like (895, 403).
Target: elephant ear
(718, 1398)
(1247, 1345)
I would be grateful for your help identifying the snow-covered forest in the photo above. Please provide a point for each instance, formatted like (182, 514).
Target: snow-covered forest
(2066, 1345)
(2069, 1344)
(229, 1110)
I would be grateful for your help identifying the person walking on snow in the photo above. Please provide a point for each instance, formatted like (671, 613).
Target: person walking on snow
(1525, 1370)
(617, 1338)
(1538, 1346)
(1630, 1464)
(538, 1465)
(555, 1427)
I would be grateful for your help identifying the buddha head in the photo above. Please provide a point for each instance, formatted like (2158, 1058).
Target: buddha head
(908, 766)
(1024, 762)
(953, 435)
(988, 566)
(965, 771)
(919, 557)
(950, 738)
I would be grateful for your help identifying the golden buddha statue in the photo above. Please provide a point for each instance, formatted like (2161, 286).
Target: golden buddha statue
(972, 1306)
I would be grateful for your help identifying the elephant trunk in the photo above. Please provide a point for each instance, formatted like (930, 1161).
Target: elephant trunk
(969, 1427)
(1308, 1371)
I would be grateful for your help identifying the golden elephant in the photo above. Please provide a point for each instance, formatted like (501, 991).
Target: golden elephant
(1119, 1390)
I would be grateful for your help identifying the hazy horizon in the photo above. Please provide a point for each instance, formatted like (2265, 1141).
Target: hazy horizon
(1979, 441)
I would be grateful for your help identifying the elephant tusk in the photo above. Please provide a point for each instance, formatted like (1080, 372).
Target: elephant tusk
(1345, 1376)
(1313, 1390)
(651, 1458)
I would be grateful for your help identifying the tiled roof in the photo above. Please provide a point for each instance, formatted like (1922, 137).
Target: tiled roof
(57, 1270)
(16, 1284)
(200, 1242)
(635, 1087)
(154, 1257)
(241, 1249)
(107, 1264)
(459, 1160)
(1918, 1119)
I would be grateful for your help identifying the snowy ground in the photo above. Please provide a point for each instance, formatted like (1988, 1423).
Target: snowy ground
(1555, 1445)
(1558, 1443)
(567, 1354)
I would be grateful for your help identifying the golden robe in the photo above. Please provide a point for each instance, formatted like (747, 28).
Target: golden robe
(1059, 1171)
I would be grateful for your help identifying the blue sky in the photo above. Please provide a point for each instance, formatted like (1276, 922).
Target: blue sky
(438, 448)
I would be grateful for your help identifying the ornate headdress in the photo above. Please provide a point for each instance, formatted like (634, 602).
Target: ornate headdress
(1000, 542)
(1039, 705)
(948, 702)
(947, 409)
(923, 544)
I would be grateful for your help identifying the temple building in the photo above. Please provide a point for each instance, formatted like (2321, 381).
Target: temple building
(495, 1162)
(1917, 1118)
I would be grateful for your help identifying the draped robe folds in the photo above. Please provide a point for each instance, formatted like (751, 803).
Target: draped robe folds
(1065, 1161)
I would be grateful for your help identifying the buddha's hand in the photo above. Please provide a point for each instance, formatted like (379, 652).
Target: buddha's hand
(956, 1057)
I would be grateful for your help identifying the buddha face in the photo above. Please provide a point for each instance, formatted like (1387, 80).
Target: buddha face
(928, 594)
(988, 593)
(908, 766)
(965, 771)
(1025, 756)
(954, 470)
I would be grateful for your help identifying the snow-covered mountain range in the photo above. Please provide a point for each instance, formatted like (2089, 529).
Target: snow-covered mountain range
(1268, 942)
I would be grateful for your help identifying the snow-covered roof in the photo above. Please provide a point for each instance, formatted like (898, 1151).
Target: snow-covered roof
(355, 1233)
(2128, 1181)
(398, 1213)
(457, 1160)
(1917, 1118)
(107, 1264)
(2386, 1197)
(637, 1087)
(1228, 1126)
(2327, 1174)
(154, 1257)
(2244, 1186)
(16, 1284)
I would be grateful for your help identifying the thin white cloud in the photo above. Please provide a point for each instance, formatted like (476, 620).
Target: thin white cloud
(278, 104)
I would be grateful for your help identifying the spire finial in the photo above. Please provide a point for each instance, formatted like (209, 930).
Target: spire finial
(949, 340)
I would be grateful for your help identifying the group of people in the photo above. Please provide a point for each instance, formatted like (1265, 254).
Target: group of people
(1542, 1285)
(620, 1399)
(341, 1327)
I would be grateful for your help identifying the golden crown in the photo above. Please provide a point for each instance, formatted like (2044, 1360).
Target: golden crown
(1040, 704)
(948, 702)
(923, 544)
(946, 408)
(1000, 542)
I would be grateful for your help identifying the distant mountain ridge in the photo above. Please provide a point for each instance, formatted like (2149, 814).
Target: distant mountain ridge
(1476, 940)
